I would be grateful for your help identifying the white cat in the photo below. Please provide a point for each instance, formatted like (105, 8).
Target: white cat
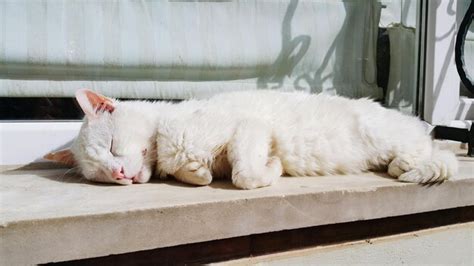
(251, 137)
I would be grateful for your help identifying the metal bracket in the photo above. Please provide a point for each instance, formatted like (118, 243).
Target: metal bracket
(458, 134)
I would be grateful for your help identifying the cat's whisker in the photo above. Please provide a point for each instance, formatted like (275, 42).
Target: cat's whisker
(63, 176)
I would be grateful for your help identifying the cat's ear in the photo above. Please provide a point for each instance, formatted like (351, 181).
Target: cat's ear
(63, 156)
(92, 103)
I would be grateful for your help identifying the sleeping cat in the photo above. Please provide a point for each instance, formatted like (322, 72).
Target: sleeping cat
(252, 137)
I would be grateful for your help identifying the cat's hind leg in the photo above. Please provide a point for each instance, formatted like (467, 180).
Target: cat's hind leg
(194, 173)
(249, 155)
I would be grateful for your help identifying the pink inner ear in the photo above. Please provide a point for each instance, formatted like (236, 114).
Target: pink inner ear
(63, 156)
(93, 103)
(100, 103)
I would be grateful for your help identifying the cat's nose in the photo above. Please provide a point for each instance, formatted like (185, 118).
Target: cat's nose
(118, 173)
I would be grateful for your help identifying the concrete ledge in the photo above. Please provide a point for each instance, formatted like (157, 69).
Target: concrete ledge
(48, 215)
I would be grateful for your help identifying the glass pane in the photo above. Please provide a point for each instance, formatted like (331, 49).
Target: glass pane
(399, 24)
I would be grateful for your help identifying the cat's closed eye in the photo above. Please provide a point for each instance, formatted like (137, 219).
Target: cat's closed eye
(111, 147)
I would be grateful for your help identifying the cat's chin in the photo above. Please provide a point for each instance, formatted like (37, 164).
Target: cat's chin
(124, 181)
(142, 177)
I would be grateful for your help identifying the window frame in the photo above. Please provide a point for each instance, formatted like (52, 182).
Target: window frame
(441, 84)
(26, 142)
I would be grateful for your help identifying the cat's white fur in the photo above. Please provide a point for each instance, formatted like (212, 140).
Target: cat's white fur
(254, 137)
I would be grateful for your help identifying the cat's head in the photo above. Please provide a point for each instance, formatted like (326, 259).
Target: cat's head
(115, 143)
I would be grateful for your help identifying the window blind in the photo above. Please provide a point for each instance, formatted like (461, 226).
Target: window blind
(183, 49)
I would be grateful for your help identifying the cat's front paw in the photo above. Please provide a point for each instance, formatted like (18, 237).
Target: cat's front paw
(194, 173)
(246, 182)
(247, 179)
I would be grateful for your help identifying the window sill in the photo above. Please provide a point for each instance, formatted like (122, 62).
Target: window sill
(50, 216)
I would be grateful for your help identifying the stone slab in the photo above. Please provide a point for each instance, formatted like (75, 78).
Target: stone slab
(50, 215)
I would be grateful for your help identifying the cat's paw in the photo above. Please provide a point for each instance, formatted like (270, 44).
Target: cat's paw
(274, 166)
(399, 166)
(248, 180)
(194, 173)
(423, 175)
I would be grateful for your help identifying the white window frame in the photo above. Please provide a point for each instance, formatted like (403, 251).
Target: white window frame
(442, 102)
(26, 142)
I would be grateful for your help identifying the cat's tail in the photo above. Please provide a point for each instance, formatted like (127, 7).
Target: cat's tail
(441, 166)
